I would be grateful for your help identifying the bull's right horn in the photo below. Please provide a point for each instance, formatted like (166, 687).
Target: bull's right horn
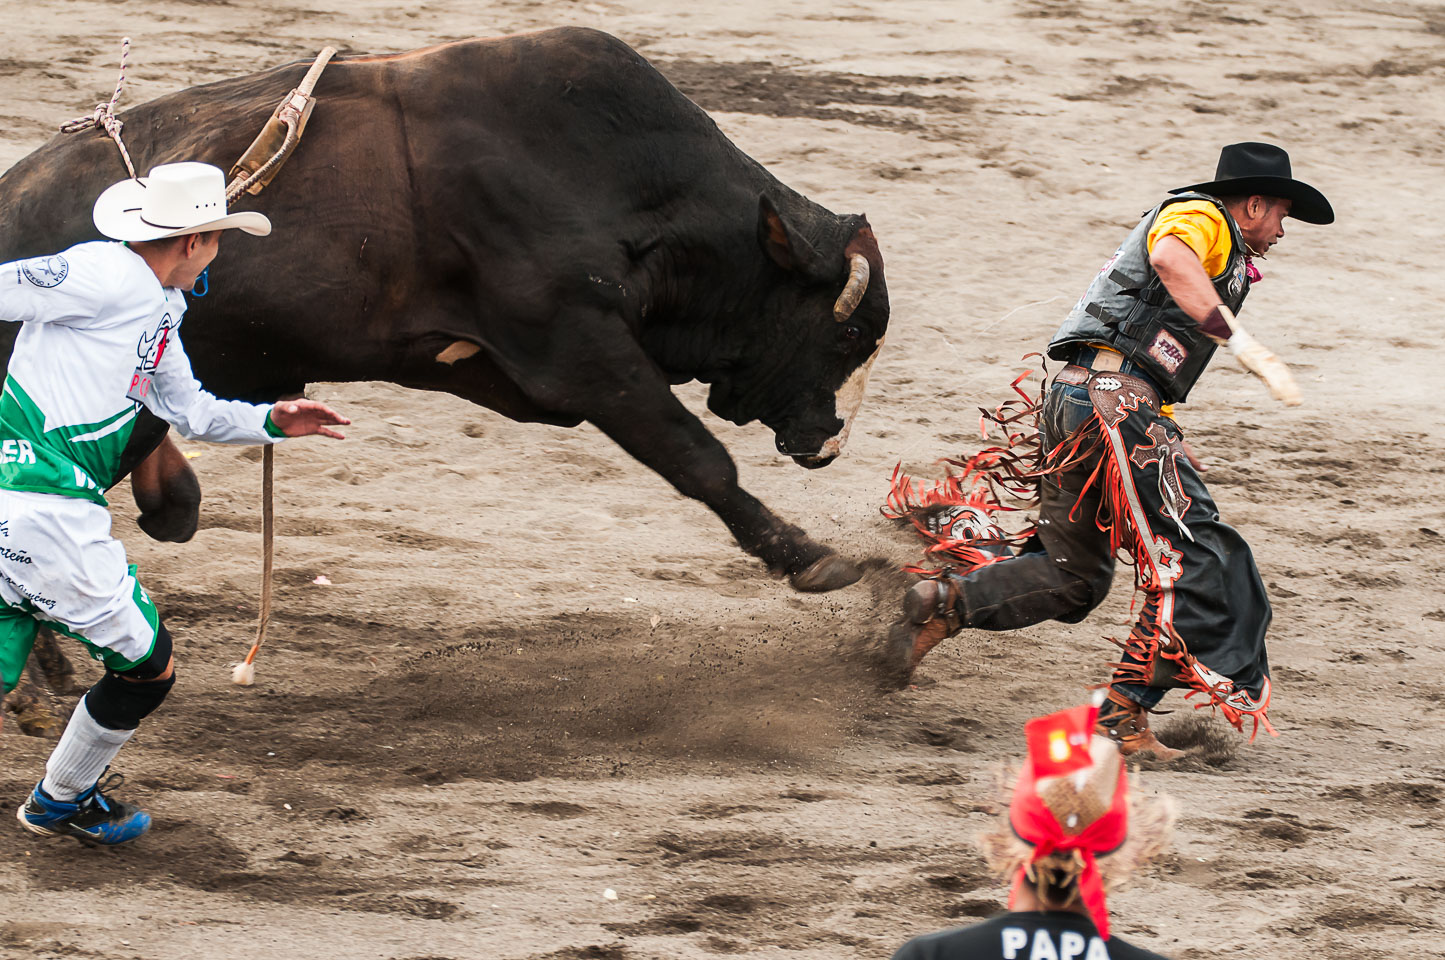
(852, 294)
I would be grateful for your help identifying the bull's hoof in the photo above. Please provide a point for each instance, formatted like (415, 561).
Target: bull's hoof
(830, 573)
(37, 721)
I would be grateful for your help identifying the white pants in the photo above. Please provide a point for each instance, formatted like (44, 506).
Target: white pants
(61, 568)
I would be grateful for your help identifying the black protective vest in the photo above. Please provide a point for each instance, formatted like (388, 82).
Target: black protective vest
(1128, 308)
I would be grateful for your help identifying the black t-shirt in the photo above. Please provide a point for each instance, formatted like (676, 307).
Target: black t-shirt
(1054, 935)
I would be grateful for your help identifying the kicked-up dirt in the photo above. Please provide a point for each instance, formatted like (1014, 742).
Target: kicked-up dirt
(537, 675)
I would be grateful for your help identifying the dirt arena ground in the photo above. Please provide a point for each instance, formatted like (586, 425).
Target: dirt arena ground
(537, 674)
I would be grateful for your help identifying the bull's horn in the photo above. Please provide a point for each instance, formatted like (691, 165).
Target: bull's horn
(852, 294)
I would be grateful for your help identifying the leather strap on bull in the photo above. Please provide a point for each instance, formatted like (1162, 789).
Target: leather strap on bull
(266, 155)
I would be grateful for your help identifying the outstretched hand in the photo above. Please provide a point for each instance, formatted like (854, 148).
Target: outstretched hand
(303, 418)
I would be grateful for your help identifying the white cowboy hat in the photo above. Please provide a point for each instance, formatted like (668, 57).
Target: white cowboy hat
(176, 199)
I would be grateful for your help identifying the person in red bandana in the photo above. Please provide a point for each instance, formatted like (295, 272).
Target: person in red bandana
(1072, 830)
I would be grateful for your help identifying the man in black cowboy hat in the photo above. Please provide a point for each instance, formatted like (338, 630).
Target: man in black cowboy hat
(1114, 470)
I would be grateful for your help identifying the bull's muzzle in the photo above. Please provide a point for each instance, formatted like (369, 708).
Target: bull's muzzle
(814, 462)
(846, 402)
(845, 405)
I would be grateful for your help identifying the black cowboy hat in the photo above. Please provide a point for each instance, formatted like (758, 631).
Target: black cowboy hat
(1262, 169)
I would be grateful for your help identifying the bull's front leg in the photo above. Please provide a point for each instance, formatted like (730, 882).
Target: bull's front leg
(631, 402)
(168, 494)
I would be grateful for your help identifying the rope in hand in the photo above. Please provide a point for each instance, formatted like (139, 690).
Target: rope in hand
(104, 117)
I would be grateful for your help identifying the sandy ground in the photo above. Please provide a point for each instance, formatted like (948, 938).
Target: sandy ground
(537, 674)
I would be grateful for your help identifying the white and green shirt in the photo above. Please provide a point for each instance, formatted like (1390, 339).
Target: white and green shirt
(100, 338)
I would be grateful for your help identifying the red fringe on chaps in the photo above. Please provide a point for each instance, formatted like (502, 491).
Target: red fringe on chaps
(1004, 478)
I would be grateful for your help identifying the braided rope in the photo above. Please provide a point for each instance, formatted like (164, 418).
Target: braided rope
(104, 117)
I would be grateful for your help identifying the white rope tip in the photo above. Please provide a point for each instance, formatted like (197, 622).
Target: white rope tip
(243, 674)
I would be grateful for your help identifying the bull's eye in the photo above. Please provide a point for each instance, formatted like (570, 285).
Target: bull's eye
(850, 332)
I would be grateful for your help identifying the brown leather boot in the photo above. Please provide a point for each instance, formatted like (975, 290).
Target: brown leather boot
(930, 616)
(1126, 723)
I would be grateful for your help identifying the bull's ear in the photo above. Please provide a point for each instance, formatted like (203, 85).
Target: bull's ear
(788, 249)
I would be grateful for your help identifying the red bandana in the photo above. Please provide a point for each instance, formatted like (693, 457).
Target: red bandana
(1065, 801)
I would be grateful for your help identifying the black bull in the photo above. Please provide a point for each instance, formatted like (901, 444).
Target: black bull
(541, 224)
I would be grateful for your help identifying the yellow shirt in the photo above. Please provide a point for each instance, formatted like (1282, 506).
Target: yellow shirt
(1199, 224)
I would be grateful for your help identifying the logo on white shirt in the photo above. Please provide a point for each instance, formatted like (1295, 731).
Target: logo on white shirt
(46, 271)
(151, 348)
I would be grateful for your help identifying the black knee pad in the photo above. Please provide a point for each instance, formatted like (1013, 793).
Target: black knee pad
(155, 664)
(120, 701)
(120, 704)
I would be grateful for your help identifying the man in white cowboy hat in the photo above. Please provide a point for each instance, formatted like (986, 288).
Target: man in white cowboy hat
(100, 339)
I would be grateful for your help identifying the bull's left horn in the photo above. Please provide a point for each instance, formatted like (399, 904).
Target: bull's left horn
(852, 294)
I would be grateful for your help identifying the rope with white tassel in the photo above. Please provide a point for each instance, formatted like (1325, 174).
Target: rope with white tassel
(244, 672)
(291, 113)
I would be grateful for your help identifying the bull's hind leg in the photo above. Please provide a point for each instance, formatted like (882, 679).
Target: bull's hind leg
(55, 667)
(625, 396)
(32, 711)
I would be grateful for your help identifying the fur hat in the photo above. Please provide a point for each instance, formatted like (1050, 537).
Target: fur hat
(1071, 805)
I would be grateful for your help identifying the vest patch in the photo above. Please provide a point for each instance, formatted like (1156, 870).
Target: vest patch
(1168, 352)
(1237, 278)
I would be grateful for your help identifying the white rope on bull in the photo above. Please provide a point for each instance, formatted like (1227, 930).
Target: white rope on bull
(104, 117)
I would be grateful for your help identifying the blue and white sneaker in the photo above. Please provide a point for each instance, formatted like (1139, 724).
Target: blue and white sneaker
(91, 817)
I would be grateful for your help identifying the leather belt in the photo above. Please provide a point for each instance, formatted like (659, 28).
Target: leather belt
(1108, 381)
(1102, 361)
(1074, 375)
